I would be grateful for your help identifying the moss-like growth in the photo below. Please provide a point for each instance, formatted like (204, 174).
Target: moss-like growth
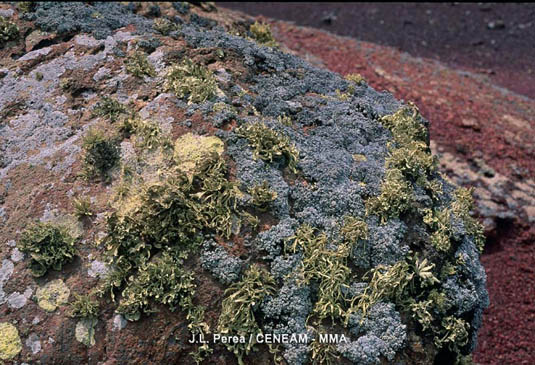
(138, 65)
(82, 207)
(237, 311)
(261, 33)
(355, 78)
(101, 153)
(84, 307)
(109, 108)
(50, 246)
(191, 80)
(396, 196)
(8, 31)
(268, 144)
(262, 196)
(454, 333)
(189, 151)
(386, 282)
(440, 222)
(26, 6)
(414, 160)
(165, 26)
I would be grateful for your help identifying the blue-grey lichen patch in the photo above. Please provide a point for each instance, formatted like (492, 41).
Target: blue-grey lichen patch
(286, 313)
(85, 331)
(222, 265)
(272, 240)
(16, 255)
(100, 19)
(381, 335)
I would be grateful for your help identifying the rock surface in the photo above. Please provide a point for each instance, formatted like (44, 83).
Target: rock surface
(290, 133)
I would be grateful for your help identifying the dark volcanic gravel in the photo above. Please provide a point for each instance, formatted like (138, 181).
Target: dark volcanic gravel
(495, 39)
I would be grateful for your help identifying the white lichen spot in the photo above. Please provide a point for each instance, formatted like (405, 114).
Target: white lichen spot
(36, 320)
(5, 273)
(11, 243)
(85, 331)
(10, 344)
(17, 300)
(97, 269)
(16, 255)
(33, 343)
(119, 322)
(52, 295)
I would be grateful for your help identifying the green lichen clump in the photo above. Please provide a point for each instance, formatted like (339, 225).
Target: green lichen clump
(52, 295)
(237, 310)
(50, 246)
(413, 284)
(328, 266)
(109, 108)
(8, 30)
(269, 145)
(101, 154)
(147, 134)
(261, 33)
(84, 307)
(192, 81)
(165, 26)
(138, 65)
(396, 196)
(262, 196)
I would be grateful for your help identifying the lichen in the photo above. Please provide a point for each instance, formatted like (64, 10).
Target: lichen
(237, 310)
(85, 331)
(138, 65)
(100, 155)
(49, 245)
(268, 144)
(261, 33)
(8, 30)
(10, 343)
(52, 295)
(192, 81)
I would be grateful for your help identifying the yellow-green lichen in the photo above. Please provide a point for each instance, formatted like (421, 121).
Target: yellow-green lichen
(190, 149)
(268, 144)
(191, 80)
(261, 33)
(85, 331)
(52, 295)
(10, 344)
(237, 317)
(8, 30)
(138, 65)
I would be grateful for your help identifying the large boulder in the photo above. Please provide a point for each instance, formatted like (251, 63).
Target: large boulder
(267, 210)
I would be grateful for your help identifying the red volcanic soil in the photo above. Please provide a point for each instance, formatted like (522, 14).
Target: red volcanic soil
(470, 117)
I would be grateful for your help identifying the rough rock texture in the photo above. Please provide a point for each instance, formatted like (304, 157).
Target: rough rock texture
(307, 152)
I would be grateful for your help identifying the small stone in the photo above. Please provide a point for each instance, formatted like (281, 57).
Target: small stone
(471, 123)
(496, 24)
